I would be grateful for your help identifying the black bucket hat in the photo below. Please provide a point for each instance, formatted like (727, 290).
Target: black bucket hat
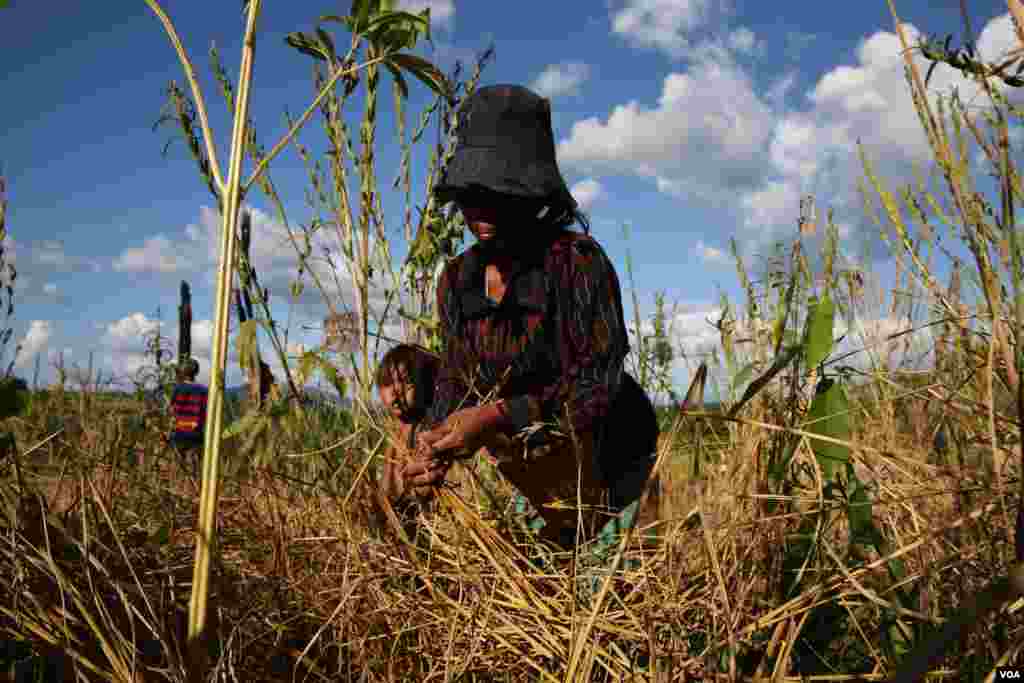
(505, 145)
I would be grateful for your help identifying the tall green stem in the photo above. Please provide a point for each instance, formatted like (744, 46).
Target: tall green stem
(215, 409)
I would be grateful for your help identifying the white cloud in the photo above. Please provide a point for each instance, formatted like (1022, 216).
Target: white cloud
(814, 151)
(157, 254)
(442, 12)
(561, 79)
(202, 336)
(706, 135)
(755, 147)
(271, 252)
(50, 255)
(587, 192)
(884, 340)
(691, 332)
(665, 25)
(130, 332)
(773, 203)
(709, 254)
(36, 339)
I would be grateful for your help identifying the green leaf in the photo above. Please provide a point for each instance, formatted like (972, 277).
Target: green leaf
(778, 468)
(413, 25)
(820, 321)
(361, 14)
(331, 373)
(305, 45)
(897, 569)
(245, 344)
(781, 361)
(899, 638)
(308, 361)
(162, 536)
(325, 41)
(337, 18)
(259, 425)
(426, 72)
(829, 416)
(859, 512)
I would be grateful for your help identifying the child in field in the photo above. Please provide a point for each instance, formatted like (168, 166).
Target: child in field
(405, 381)
(188, 408)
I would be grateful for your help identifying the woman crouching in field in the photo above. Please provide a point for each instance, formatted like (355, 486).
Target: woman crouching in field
(533, 332)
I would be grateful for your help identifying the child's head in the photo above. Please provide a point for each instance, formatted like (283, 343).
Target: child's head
(405, 379)
(190, 369)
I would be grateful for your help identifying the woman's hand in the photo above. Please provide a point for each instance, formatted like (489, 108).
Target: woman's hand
(422, 474)
(465, 430)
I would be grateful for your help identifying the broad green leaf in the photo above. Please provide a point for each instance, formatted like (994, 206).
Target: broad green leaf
(426, 72)
(829, 416)
(820, 323)
(414, 23)
(332, 375)
(245, 344)
(308, 362)
(361, 10)
(781, 361)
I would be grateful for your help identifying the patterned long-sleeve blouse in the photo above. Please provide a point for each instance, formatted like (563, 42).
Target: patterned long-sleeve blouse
(557, 339)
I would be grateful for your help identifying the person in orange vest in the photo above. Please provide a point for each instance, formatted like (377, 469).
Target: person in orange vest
(188, 408)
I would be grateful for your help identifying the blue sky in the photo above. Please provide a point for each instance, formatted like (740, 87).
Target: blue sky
(693, 121)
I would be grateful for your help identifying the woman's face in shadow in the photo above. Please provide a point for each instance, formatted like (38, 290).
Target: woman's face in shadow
(485, 222)
(492, 217)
